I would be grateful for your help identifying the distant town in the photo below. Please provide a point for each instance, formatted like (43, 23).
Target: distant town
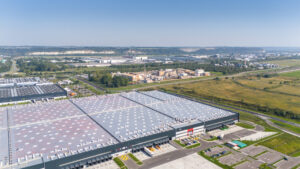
(160, 75)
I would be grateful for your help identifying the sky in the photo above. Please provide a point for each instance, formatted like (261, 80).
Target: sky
(199, 23)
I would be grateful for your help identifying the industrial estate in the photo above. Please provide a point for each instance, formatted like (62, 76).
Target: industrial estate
(80, 132)
(207, 109)
(104, 84)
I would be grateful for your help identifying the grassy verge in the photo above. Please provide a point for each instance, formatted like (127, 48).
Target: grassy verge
(295, 167)
(135, 159)
(213, 160)
(211, 139)
(238, 163)
(91, 88)
(120, 163)
(265, 166)
(287, 126)
(245, 125)
(179, 143)
(260, 154)
(5, 105)
(193, 146)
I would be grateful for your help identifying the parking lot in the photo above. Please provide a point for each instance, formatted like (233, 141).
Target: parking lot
(190, 140)
(232, 158)
(164, 148)
(193, 161)
(216, 150)
(249, 165)
(141, 155)
(237, 135)
(105, 165)
(270, 157)
(231, 129)
(157, 150)
(287, 163)
(253, 150)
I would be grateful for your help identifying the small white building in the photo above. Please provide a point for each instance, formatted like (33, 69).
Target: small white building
(199, 72)
(140, 57)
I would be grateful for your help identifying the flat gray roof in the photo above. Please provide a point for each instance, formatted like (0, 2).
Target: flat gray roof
(57, 138)
(3, 146)
(135, 122)
(42, 112)
(185, 110)
(98, 104)
(10, 92)
(59, 128)
(3, 118)
(162, 95)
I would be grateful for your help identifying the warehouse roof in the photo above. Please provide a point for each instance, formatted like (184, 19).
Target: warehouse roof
(161, 95)
(97, 104)
(4, 146)
(10, 92)
(20, 80)
(59, 128)
(179, 108)
(58, 138)
(40, 112)
(131, 123)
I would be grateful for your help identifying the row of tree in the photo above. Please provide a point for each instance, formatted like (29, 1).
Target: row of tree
(5, 66)
(30, 65)
(108, 80)
(186, 65)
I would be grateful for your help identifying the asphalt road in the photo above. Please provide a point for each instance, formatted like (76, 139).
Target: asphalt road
(91, 83)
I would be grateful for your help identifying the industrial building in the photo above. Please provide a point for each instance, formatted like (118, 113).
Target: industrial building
(80, 132)
(15, 90)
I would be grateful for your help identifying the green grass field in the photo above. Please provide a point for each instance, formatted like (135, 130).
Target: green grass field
(245, 125)
(179, 143)
(295, 74)
(284, 143)
(287, 126)
(120, 163)
(193, 146)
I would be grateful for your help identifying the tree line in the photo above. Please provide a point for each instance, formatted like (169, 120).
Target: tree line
(108, 80)
(30, 65)
(5, 66)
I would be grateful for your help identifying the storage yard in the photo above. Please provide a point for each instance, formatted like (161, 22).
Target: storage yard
(85, 131)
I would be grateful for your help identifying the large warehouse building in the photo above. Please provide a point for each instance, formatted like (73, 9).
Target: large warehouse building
(80, 132)
(15, 90)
